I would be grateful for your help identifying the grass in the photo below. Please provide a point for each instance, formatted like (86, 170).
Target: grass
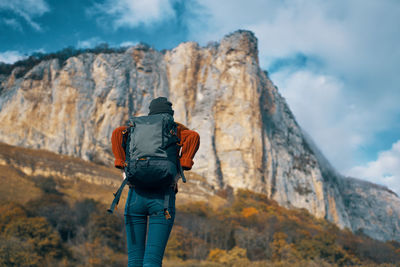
(75, 178)
(22, 168)
(16, 187)
(34, 162)
(247, 263)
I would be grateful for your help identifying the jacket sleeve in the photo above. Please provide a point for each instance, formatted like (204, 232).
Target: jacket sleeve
(190, 142)
(117, 139)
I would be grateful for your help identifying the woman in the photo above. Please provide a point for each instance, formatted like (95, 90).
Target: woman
(146, 206)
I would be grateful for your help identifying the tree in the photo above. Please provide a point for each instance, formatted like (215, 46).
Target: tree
(14, 252)
(228, 257)
(10, 212)
(107, 230)
(281, 250)
(37, 233)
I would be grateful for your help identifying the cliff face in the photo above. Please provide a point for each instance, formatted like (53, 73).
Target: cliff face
(249, 137)
(373, 209)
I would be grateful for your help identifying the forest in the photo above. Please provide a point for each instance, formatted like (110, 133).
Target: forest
(56, 230)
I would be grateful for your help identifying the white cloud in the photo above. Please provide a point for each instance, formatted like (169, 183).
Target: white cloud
(26, 9)
(347, 35)
(317, 103)
(89, 43)
(94, 41)
(385, 170)
(128, 43)
(13, 23)
(10, 57)
(127, 13)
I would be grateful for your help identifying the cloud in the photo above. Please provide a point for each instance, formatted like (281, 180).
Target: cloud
(27, 10)
(128, 43)
(345, 34)
(317, 103)
(126, 13)
(95, 41)
(10, 57)
(13, 23)
(385, 170)
(335, 62)
(89, 43)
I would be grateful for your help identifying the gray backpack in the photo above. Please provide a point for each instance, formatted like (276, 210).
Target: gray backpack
(152, 161)
(152, 151)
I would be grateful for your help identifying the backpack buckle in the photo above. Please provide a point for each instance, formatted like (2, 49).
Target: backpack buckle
(167, 215)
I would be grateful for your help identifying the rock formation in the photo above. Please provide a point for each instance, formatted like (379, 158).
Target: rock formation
(249, 137)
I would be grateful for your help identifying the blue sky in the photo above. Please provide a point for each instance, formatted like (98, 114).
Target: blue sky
(335, 61)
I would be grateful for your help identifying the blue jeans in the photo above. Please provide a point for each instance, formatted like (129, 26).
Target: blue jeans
(142, 207)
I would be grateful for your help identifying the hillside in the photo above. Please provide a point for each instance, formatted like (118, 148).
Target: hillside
(228, 229)
(77, 178)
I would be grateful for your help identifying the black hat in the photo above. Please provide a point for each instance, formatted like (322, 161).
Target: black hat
(160, 105)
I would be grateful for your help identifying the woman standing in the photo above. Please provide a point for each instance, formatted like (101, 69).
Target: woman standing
(148, 202)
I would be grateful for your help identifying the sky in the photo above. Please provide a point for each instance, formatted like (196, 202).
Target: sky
(336, 62)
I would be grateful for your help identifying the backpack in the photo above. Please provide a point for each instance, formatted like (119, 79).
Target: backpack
(152, 151)
(151, 148)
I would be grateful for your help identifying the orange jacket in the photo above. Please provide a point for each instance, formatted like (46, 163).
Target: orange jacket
(190, 142)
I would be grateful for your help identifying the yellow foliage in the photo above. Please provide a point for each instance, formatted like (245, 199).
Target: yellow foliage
(248, 212)
(199, 208)
(216, 254)
(282, 250)
(176, 247)
(10, 212)
(14, 252)
(227, 257)
(37, 232)
(95, 254)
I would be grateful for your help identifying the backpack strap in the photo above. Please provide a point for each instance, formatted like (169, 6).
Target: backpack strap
(167, 196)
(166, 202)
(180, 170)
(117, 196)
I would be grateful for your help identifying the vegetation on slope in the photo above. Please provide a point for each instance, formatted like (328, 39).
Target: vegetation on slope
(53, 230)
(254, 228)
(49, 221)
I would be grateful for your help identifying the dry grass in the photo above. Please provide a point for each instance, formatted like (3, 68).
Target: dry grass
(67, 172)
(247, 263)
(78, 190)
(19, 187)
(16, 187)
(66, 166)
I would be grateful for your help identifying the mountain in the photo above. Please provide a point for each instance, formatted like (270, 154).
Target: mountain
(249, 137)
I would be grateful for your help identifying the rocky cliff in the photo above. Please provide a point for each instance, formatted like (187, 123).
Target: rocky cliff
(249, 137)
